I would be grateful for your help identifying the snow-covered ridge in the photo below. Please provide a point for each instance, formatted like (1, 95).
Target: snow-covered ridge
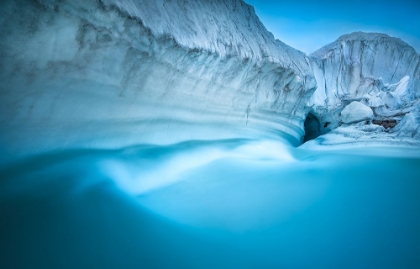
(114, 73)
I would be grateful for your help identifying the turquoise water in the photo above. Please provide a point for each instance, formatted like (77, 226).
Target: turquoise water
(212, 204)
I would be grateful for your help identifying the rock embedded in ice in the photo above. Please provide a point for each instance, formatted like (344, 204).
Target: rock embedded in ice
(356, 112)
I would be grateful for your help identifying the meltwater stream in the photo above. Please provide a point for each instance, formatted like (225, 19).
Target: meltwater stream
(212, 204)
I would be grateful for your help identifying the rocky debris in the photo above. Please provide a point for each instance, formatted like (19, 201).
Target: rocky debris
(387, 123)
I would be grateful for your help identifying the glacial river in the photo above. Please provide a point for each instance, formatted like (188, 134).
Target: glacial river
(212, 204)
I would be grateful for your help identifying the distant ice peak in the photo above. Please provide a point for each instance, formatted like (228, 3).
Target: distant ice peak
(322, 53)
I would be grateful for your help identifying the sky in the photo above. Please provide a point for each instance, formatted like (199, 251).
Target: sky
(308, 25)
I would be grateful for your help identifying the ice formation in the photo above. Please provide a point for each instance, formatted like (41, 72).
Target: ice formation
(114, 73)
(356, 112)
(376, 70)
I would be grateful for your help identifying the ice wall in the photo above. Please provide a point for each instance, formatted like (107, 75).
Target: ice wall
(113, 73)
(108, 74)
(373, 69)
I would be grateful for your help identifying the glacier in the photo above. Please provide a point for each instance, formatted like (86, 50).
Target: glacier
(95, 75)
(182, 134)
(375, 70)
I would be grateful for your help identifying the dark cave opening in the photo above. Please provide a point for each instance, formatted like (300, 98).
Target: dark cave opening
(312, 127)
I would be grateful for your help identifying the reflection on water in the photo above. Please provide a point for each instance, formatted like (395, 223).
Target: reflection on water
(213, 204)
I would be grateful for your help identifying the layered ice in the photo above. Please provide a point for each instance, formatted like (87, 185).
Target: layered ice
(114, 73)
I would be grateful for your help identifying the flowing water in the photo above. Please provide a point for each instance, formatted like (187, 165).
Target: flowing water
(212, 204)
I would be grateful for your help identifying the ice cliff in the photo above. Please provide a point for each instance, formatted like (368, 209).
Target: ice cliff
(111, 73)
(107, 73)
(378, 75)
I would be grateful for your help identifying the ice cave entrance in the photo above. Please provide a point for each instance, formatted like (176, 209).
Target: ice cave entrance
(312, 127)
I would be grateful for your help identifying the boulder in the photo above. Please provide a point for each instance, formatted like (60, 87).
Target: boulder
(356, 112)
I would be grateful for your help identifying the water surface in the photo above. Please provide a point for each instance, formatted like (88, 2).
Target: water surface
(212, 204)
